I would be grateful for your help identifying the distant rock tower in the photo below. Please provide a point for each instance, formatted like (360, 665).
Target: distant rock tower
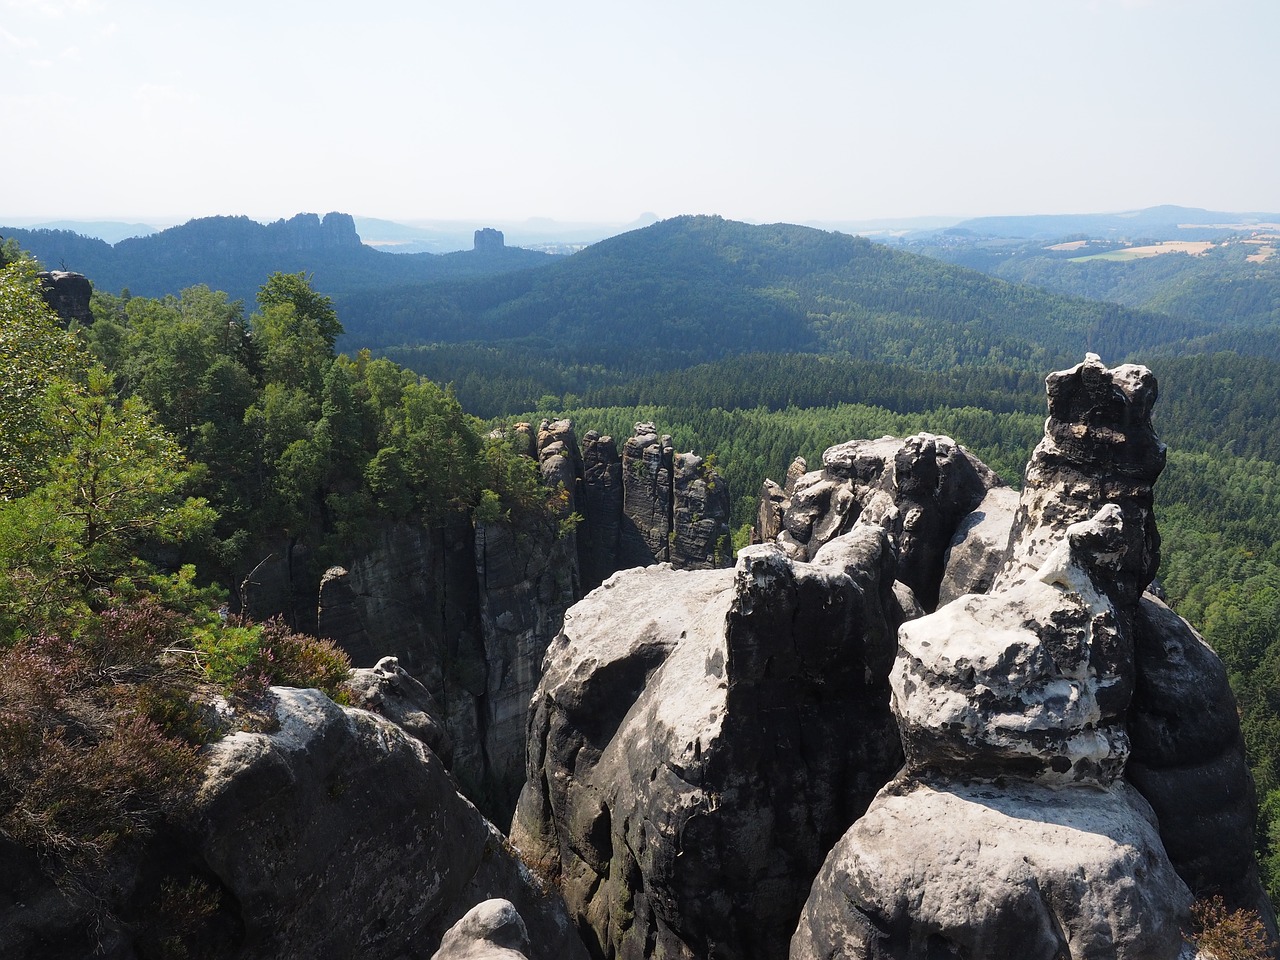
(489, 239)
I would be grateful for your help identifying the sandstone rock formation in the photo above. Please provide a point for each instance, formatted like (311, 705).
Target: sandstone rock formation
(977, 549)
(389, 690)
(488, 239)
(600, 535)
(918, 489)
(492, 930)
(469, 608)
(334, 834)
(1030, 714)
(691, 746)
(67, 294)
(338, 835)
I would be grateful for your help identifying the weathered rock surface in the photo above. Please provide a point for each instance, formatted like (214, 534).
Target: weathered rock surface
(918, 489)
(690, 750)
(699, 538)
(1033, 681)
(600, 534)
(470, 608)
(979, 545)
(1030, 715)
(390, 691)
(1099, 447)
(527, 578)
(646, 499)
(68, 295)
(1011, 832)
(338, 835)
(969, 870)
(492, 930)
(1187, 758)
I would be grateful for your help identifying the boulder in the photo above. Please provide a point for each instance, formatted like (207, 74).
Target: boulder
(978, 547)
(1187, 758)
(1033, 681)
(492, 930)
(339, 835)
(977, 871)
(389, 690)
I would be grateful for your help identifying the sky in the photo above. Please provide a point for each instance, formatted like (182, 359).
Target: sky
(809, 110)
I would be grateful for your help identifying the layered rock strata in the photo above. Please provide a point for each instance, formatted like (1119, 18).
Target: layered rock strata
(690, 752)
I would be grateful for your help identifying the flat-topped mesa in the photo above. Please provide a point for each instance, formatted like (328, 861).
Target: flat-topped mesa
(1099, 447)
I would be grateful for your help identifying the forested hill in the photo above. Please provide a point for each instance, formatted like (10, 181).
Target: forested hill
(237, 254)
(695, 289)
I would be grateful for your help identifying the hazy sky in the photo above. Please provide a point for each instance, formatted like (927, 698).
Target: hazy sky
(797, 110)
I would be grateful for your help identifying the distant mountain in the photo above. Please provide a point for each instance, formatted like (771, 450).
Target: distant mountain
(696, 289)
(443, 236)
(237, 254)
(112, 231)
(1151, 223)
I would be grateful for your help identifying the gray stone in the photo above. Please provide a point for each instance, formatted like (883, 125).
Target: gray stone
(1025, 871)
(388, 690)
(68, 295)
(918, 489)
(1099, 447)
(700, 515)
(979, 545)
(646, 505)
(339, 835)
(492, 930)
(691, 760)
(599, 536)
(1187, 758)
(1033, 681)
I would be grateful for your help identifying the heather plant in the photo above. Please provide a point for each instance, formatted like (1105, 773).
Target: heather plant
(1223, 934)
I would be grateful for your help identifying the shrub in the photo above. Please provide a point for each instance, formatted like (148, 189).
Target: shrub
(1224, 934)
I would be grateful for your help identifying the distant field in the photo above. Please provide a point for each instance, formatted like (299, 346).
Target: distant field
(1193, 247)
(1266, 249)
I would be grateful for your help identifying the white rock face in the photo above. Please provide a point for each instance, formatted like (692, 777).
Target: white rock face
(978, 547)
(700, 740)
(1028, 872)
(492, 930)
(1011, 831)
(1024, 682)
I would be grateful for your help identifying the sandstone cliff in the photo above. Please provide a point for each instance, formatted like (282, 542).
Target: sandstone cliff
(696, 736)
(469, 607)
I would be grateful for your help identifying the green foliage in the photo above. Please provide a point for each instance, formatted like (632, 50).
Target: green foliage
(309, 308)
(245, 659)
(34, 354)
